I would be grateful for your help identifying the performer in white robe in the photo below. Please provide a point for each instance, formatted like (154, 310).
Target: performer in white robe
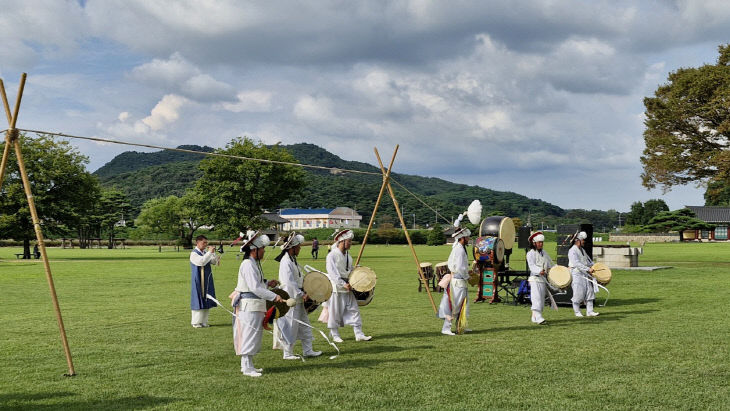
(290, 280)
(539, 263)
(249, 303)
(583, 283)
(456, 292)
(342, 305)
(201, 281)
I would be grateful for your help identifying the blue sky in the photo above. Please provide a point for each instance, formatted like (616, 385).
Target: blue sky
(542, 98)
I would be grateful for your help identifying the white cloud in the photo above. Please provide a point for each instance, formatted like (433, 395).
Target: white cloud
(251, 101)
(165, 112)
(123, 116)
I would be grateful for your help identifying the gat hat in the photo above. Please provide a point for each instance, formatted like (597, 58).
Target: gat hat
(343, 235)
(536, 236)
(461, 232)
(256, 239)
(292, 241)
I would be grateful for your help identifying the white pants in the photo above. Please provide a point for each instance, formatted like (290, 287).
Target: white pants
(247, 332)
(290, 331)
(343, 310)
(458, 295)
(582, 288)
(200, 317)
(538, 290)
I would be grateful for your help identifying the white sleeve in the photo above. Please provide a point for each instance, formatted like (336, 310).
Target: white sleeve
(574, 260)
(286, 278)
(332, 271)
(250, 276)
(534, 268)
(201, 260)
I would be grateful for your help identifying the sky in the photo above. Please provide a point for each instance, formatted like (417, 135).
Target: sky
(540, 98)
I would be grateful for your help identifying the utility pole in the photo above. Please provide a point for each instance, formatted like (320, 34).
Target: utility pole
(414, 221)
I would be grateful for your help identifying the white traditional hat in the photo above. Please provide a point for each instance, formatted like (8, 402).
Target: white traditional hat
(461, 232)
(256, 239)
(293, 240)
(580, 236)
(343, 235)
(536, 236)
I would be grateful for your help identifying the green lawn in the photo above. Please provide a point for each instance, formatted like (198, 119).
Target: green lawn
(662, 341)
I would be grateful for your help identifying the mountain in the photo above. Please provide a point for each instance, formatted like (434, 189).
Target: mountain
(143, 176)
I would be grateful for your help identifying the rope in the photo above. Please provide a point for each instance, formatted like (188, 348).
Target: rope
(182, 150)
(421, 201)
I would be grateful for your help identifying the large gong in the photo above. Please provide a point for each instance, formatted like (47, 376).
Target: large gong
(501, 227)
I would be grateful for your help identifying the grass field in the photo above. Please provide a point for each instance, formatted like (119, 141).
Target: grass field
(662, 341)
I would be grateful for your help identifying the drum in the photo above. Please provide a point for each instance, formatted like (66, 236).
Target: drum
(483, 246)
(317, 286)
(602, 273)
(427, 270)
(364, 298)
(442, 269)
(559, 276)
(501, 227)
(311, 305)
(275, 310)
(362, 279)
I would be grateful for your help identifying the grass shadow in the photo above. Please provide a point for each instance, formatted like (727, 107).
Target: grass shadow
(325, 363)
(34, 401)
(372, 348)
(618, 302)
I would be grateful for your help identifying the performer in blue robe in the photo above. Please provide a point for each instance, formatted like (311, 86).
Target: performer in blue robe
(201, 281)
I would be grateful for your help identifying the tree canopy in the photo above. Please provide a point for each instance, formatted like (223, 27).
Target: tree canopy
(687, 128)
(235, 192)
(62, 189)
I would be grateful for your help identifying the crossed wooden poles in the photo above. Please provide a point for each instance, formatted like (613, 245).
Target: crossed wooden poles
(11, 139)
(386, 184)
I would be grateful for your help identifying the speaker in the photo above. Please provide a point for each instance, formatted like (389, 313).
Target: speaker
(523, 234)
(565, 234)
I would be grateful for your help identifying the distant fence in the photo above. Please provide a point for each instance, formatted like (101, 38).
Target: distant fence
(645, 237)
(104, 243)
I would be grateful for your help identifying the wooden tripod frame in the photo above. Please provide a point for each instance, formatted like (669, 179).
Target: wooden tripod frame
(386, 184)
(11, 139)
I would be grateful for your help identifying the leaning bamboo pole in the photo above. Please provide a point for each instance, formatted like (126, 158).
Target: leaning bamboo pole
(12, 138)
(405, 231)
(6, 149)
(386, 179)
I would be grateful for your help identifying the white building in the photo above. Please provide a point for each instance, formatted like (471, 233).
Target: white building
(307, 218)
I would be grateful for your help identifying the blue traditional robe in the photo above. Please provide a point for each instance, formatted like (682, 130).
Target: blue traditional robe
(197, 299)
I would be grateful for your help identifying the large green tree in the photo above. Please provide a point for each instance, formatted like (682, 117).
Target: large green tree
(61, 186)
(235, 192)
(174, 216)
(688, 126)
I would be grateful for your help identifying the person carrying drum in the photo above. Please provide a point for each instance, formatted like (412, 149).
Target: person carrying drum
(201, 281)
(342, 305)
(249, 303)
(580, 268)
(455, 298)
(290, 280)
(539, 263)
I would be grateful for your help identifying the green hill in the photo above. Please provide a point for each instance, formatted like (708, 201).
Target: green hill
(143, 176)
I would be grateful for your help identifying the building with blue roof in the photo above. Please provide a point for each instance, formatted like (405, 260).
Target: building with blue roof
(308, 218)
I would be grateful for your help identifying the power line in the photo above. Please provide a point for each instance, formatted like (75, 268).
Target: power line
(333, 170)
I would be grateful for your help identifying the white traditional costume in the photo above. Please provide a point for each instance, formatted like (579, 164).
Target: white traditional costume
(538, 262)
(342, 305)
(456, 292)
(583, 283)
(250, 306)
(290, 280)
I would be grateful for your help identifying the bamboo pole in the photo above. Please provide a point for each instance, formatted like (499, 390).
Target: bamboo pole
(13, 138)
(386, 179)
(408, 237)
(6, 149)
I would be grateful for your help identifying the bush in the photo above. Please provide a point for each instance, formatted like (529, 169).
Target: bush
(436, 236)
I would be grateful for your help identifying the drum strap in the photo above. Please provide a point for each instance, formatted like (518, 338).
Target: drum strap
(596, 286)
